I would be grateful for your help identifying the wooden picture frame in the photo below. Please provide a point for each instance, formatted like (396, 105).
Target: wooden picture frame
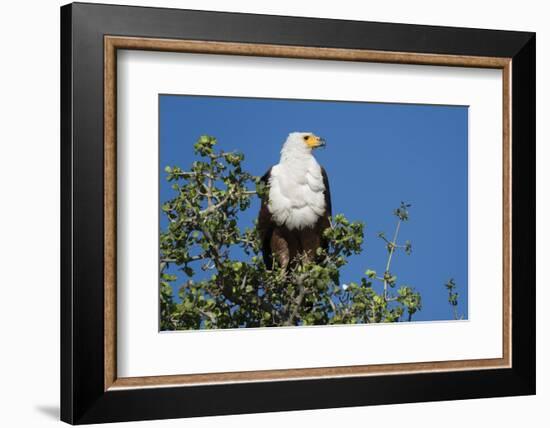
(91, 390)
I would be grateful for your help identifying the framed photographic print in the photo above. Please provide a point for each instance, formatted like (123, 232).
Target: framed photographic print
(265, 213)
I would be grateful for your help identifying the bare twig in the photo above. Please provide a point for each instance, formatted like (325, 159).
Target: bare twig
(297, 303)
(209, 192)
(208, 314)
(212, 208)
(392, 246)
(187, 174)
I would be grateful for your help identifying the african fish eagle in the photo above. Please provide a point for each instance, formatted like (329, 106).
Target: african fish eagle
(297, 209)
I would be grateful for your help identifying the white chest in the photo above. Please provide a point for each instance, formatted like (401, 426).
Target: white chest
(296, 193)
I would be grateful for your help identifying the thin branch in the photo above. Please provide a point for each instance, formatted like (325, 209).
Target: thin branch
(332, 305)
(393, 245)
(209, 192)
(191, 259)
(187, 174)
(209, 315)
(297, 303)
(212, 208)
(388, 264)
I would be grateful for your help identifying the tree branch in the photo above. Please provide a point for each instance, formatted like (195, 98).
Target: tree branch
(297, 303)
(388, 264)
(212, 208)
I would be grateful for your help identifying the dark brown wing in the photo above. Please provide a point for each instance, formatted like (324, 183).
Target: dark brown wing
(324, 221)
(266, 225)
(328, 202)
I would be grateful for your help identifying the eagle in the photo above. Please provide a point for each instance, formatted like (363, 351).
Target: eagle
(297, 207)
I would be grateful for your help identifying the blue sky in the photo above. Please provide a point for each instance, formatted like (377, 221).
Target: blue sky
(377, 155)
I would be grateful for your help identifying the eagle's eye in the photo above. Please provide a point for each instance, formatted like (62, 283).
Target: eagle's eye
(306, 137)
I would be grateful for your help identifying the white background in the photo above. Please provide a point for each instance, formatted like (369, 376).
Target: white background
(142, 351)
(29, 219)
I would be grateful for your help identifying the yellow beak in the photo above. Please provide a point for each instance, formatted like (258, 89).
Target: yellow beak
(314, 142)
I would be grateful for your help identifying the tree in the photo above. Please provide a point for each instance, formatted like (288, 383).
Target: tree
(236, 289)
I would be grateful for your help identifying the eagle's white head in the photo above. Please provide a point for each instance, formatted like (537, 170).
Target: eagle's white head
(296, 187)
(300, 144)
